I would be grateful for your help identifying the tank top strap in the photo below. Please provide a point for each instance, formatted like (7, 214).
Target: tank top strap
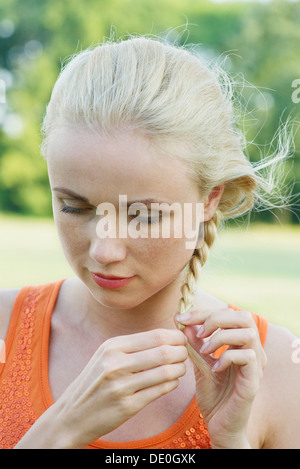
(32, 307)
(21, 396)
(24, 389)
(261, 324)
(260, 321)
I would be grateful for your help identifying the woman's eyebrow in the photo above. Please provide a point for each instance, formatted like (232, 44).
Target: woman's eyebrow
(84, 199)
(146, 202)
(71, 193)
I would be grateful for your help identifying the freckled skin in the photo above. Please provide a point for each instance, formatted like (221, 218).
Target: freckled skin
(100, 169)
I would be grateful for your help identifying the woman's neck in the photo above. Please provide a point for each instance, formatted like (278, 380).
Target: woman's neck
(154, 313)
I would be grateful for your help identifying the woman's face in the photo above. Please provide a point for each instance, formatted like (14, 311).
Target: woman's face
(87, 170)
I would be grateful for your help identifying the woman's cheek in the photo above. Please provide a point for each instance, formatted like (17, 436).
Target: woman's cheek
(71, 237)
(165, 256)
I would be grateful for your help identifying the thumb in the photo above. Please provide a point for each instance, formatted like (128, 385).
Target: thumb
(202, 364)
(191, 335)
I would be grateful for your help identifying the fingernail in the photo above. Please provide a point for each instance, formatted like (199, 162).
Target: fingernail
(183, 317)
(200, 331)
(216, 365)
(204, 347)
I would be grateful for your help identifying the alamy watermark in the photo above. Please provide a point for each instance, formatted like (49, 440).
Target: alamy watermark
(296, 352)
(296, 93)
(162, 220)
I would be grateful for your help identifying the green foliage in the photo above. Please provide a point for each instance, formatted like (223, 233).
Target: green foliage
(262, 42)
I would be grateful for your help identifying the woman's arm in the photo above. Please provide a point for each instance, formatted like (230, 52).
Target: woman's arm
(50, 431)
(282, 381)
(247, 371)
(124, 375)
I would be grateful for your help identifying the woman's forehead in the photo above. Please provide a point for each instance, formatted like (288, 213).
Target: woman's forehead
(126, 161)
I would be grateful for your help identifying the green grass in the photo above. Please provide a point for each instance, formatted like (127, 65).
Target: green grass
(256, 268)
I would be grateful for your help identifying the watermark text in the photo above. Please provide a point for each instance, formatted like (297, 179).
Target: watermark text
(162, 220)
(296, 93)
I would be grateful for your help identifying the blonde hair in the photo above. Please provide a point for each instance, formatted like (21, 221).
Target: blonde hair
(178, 101)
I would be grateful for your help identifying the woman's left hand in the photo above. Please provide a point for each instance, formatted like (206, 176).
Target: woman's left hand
(226, 401)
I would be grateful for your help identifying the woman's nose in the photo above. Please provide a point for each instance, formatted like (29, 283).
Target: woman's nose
(107, 246)
(105, 251)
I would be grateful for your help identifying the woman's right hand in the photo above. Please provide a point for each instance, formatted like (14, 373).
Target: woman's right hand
(124, 375)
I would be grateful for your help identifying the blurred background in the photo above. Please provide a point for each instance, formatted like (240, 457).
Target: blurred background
(254, 265)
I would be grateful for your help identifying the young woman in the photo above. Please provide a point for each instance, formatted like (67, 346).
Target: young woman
(101, 360)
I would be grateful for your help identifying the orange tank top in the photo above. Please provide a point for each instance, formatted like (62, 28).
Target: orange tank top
(24, 387)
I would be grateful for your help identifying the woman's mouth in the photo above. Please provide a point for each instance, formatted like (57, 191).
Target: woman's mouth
(111, 282)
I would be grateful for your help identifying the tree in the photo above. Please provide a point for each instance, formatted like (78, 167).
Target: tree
(261, 41)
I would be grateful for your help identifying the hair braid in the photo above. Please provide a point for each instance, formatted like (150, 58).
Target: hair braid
(197, 261)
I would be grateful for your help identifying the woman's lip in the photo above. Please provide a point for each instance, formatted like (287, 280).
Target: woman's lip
(109, 277)
(111, 284)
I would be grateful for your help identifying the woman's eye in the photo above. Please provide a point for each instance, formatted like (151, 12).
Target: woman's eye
(150, 221)
(147, 220)
(72, 210)
(78, 211)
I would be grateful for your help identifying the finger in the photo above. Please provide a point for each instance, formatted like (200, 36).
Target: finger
(193, 340)
(155, 376)
(228, 319)
(192, 318)
(141, 398)
(158, 356)
(243, 338)
(248, 367)
(146, 340)
(211, 321)
(246, 359)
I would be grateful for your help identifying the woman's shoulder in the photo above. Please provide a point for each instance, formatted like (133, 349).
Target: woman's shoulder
(7, 300)
(282, 348)
(278, 398)
(204, 301)
(282, 371)
(281, 384)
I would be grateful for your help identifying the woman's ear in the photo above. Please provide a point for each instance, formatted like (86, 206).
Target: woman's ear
(212, 202)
